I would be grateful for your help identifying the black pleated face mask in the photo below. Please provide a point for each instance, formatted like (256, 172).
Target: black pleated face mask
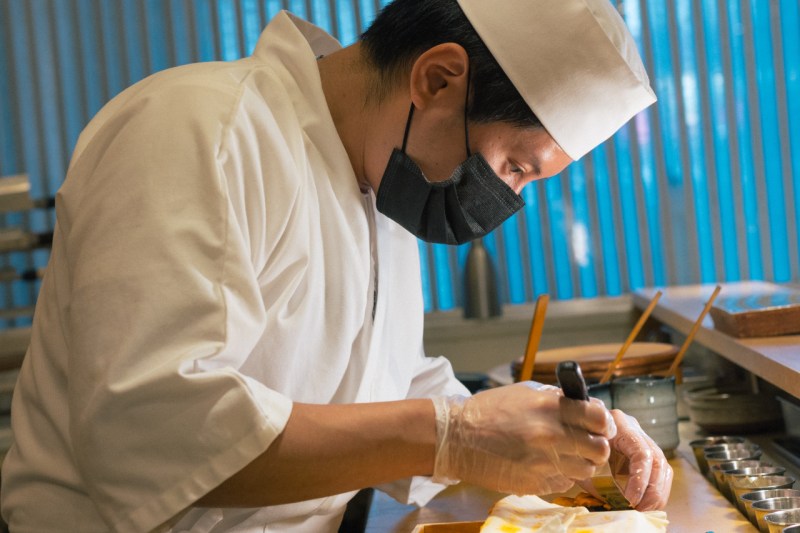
(466, 206)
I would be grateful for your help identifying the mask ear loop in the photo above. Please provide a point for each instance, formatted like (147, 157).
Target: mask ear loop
(466, 112)
(408, 127)
(466, 128)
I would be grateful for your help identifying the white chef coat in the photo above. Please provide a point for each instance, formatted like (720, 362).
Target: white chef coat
(211, 264)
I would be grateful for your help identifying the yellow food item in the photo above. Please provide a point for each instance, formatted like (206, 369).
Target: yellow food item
(528, 514)
(584, 499)
(565, 501)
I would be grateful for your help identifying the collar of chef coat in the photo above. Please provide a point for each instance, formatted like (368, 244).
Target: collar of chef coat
(291, 46)
(320, 42)
(287, 25)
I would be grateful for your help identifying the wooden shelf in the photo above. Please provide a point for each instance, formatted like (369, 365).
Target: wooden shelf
(774, 359)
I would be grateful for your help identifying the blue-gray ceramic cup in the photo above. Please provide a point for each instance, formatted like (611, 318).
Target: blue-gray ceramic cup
(652, 401)
(601, 391)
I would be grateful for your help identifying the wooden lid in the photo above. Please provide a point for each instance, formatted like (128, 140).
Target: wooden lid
(641, 358)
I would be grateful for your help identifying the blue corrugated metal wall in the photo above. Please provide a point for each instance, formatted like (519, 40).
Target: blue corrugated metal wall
(704, 186)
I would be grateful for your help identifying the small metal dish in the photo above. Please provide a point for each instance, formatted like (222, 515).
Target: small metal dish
(698, 447)
(765, 508)
(777, 522)
(749, 498)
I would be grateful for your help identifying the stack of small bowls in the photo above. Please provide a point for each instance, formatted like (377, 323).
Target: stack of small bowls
(776, 514)
(748, 498)
(699, 446)
(757, 488)
(744, 480)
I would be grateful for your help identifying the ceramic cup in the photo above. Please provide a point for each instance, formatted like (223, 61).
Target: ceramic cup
(749, 498)
(651, 400)
(602, 391)
(777, 521)
(698, 446)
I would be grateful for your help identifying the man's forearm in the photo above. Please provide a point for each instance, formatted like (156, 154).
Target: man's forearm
(330, 449)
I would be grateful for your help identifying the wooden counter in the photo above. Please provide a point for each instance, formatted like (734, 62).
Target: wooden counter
(695, 506)
(774, 359)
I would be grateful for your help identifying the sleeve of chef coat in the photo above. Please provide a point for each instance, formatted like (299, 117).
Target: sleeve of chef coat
(163, 308)
(434, 377)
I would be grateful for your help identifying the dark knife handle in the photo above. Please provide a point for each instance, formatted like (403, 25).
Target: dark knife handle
(571, 381)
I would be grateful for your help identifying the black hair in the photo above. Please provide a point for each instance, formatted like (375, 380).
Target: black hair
(404, 29)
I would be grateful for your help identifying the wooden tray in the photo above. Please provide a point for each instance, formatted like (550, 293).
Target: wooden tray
(758, 314)
(641, 358)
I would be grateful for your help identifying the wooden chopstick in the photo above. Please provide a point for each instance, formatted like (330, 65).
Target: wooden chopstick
(534, 336)
(634, 332)
(674, 368)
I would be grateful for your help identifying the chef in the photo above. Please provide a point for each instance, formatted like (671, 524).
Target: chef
(229, 333)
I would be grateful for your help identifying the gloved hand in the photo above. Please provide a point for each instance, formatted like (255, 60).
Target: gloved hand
(520, 439)
(639, 465)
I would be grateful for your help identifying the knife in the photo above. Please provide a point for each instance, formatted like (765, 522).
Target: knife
(570, 379)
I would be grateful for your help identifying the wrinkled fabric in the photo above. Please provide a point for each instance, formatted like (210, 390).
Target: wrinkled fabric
(531, 514)
(213, 262)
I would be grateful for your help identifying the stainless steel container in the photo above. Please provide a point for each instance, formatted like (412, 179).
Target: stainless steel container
(743, 454)
(698, 448)
(719, 478)
(735, 477)
(777, 522)
(765, 508)
(762, 483)
(718, 472)
(749, 498)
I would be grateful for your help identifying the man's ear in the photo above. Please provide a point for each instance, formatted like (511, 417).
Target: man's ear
(439, 77)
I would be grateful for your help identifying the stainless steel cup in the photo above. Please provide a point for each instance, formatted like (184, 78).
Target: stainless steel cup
(764, 508)
(737, 454)
(698, 448)
(737, 475)
(777, 522)
(729, 447)
(749, 498)
(717, 474)
(742, 454)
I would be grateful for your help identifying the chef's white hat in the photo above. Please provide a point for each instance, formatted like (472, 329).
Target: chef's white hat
(573, 61)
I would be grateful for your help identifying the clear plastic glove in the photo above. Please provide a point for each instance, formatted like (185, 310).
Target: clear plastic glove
(520, 439)
(638, 465)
